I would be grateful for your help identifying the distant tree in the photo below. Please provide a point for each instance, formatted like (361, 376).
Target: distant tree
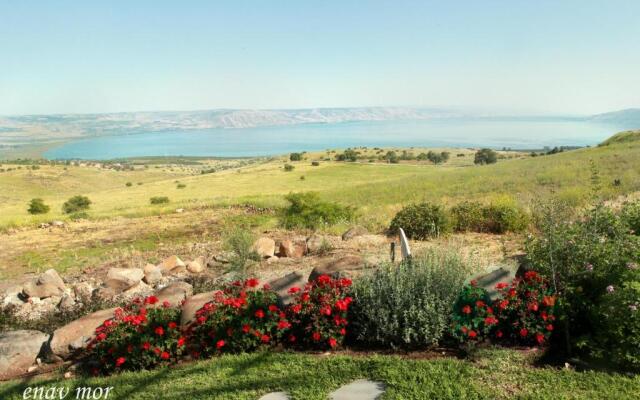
(485, 156)
(75, 204)
(315, 163)
(295, 157)
(288, 167)
(128, 184)
(37, 206)
(159, 200)
(348, 155)
(391, 157)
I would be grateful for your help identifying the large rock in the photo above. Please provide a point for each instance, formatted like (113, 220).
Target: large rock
(152, 274)
(76, 335)
(174, 293)
(19, 350)
(282, 285)
(172, 265)
(353, 232)
(196, 266)
(46, 285)
(292, 249)
(494, 275)
(193, 304)
(123, 278)
(140, 290)
(339, 267)
(83, 290)
(316, 244)
(265, 247)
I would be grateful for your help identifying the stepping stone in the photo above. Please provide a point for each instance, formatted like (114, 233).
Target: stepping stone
(362, 389)
(275, 396)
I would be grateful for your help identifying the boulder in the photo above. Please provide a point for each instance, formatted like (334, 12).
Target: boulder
(196, 266)
(282, 285)
(141, 290)
(11, 297)
(46, 285)
(353, 232)
(265, 247)
(83, 290)
(292, 249)
(316, 243)
(174, 293)
(58, 224)
(172, 264)
(152, 274)
(123, 278)
(193, 304)
(76, 334)
(339, 267)
(494, 275)
(19, 350)
(67, 302)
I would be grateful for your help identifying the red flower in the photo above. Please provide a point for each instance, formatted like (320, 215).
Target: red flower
(201, 319)
(166, 304)
(501, 285)
(251, 282)
(151, 300)
(294, 290)
(529, 275)
(539, 338)
(273, 308)
(164, 355)
(503, 304)
(533, 307)
(259, 314)
(472, 334)
(246, 328)
(181, 341)
(146, 345)
(549, 327)
(305, 297)
(157, 350)
(499, 334)
(220, 344)
(316, 336)
(296, 308)
(172, 325)
(490, 321)
(549, 301)
(464, 329)
(159, 331)
(324, 279)
(266, 286)
(524, 332)
(325, 310)
(120, 361)
(480, 304)
(282, 324)
(265, 338)
(332, 342)
(343, 331)
(466, 309)
(101, 337)
(473, 283)
(292, 338)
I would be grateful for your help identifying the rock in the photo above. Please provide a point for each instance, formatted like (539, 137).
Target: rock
(361, 389)
(353, 232)
(19, 350)
(179, 210)
(339, 267)
(107, 293)
(67, 302)
(32, 368)
(292, 249)
(272, 260)
(170, 264)
(494, 275)
(193, 304)
(316, 244)
(47, 284)
(282, 285)
(139, 290)
(265, 247)
(196, 266)
(58, 224)
(44, 225)
(76, 334)
(152, 274)
(124, 278)
(275, 396)
(174, 293)
(83, 290)
(11, 297)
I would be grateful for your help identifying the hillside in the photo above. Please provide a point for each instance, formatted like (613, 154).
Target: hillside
(623, 137)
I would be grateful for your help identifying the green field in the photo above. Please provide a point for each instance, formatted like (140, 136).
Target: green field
(377, 189)
(495, 374)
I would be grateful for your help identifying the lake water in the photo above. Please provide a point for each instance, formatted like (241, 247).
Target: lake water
(263, 141)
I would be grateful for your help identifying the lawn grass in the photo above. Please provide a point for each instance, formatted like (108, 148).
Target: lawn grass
(498, 374)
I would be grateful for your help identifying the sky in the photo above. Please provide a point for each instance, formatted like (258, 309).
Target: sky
(542, 57)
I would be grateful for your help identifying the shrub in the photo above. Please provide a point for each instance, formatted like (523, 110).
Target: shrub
(526, 310)
(239, 242)
(503, 217)
(348, 155)
(75, 204)
(409, 305)
(140, 336)
(37, 206)
(473, 316)
(128, 184)
(468, 217)
(315, 163)
(631, 216)
(181, 186)
(318, 313)
(485, 156)
(306, 210)
(618, 333)
(421, 221)
(240, 318)
(78, 216)
(288, 167)
(159, 200)
(295, 157)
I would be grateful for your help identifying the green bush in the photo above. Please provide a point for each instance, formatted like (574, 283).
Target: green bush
(473, 317)
(181, 186)
(421, 221)
(76, 204)
(295, 157)
(78, 215)
(348, 155)
(485, 156)
(128, 184)
(315, 163)
(288, 167)
(631, 216)
(159, 200)
(467, 217)
(239, 242)
(407, 306)
(503, 217)
(307, 210)
(37, 206)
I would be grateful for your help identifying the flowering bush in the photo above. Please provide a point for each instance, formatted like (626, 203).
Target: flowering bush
(318, 313)
(141, 335)
(473, 317)
(525, 310)
(242, 317)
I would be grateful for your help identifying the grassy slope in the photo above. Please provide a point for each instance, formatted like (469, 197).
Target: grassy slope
(377, 189)
(500, 374)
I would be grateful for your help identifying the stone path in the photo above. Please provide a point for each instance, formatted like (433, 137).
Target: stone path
(362, 389)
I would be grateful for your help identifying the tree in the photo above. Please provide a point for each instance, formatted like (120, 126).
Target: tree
(37, 206)
(295, 157)
(485, 156)
(75, 204)
(391, 157)
(348, 155)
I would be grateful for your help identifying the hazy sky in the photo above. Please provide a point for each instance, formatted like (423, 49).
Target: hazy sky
(501, 56)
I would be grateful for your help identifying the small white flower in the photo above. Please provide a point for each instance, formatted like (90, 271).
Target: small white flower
(588, 267)
(633, 307)
(610, 289)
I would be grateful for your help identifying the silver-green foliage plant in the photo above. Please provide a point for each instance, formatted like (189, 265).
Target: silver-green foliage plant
(239, 242)
(409, 305)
